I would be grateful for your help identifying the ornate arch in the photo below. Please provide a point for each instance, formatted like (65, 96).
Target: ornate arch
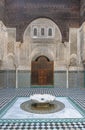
(59, 30)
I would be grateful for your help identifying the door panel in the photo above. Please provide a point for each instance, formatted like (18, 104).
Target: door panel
(42, 77)
(42, 71)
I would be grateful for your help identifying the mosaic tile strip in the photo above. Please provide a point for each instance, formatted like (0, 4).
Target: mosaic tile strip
(42, 126)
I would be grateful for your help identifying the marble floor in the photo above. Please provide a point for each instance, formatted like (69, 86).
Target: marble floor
(15, 112)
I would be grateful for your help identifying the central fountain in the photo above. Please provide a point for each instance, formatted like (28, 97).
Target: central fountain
(42, 101)
(42, 104)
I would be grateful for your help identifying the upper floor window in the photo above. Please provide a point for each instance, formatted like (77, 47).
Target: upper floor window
(50, 32)
(35, 32)
(42, 31)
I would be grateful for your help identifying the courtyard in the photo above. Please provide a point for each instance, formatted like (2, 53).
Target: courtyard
(33, 122)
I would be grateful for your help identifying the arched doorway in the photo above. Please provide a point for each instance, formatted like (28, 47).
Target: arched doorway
(42, 71)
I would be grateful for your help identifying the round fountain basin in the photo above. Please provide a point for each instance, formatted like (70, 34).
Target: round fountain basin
(42, 104)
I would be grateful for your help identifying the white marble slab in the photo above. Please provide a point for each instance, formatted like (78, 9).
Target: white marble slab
(15, 112)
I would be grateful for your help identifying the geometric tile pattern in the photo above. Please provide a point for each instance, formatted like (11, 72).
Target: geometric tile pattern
(42, 126)
(77, 94)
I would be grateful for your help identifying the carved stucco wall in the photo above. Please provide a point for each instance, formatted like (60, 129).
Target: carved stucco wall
(82, 42)
(82, 11)
(16, 54)
(3, 42)
(19, 14)
(2, 9)
(53, 47)
(9, 49)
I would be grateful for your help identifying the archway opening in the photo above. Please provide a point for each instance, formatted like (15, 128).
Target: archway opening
(42, 71)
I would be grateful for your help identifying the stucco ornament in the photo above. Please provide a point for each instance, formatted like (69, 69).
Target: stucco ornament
(73, 60)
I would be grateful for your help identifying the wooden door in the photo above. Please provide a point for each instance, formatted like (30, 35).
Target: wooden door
(42, 71)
